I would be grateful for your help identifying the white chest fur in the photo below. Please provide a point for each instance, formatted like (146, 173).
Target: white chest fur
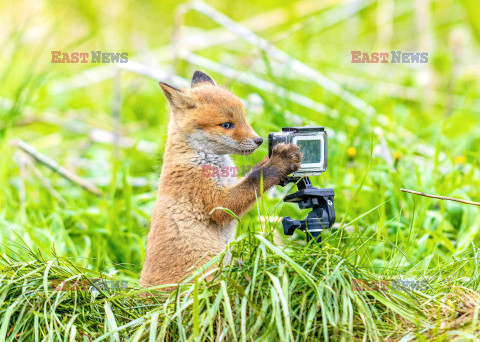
(218, 166)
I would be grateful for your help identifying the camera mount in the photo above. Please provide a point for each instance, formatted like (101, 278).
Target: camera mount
(320, 201)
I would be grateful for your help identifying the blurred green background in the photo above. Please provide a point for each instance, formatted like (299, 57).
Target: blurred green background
(390, 125)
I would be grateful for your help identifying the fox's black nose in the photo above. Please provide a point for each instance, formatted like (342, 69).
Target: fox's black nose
(258, 141)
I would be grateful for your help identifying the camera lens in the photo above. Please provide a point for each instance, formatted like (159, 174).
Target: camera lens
(277, 138)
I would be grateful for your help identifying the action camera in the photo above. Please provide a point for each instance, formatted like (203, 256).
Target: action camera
(313, 145)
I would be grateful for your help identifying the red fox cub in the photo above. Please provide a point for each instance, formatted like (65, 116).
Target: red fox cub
(207, 123)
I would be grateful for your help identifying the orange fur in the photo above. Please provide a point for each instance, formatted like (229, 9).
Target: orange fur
(185, 230)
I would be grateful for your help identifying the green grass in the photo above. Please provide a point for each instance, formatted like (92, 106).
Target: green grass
(426, 117)
(267, 293)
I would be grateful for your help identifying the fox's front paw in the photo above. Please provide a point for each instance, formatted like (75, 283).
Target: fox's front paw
(286, 158)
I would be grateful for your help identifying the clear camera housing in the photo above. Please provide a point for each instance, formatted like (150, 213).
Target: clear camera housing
(313, 145)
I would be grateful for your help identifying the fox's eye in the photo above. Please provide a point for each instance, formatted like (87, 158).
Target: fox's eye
(227, 125)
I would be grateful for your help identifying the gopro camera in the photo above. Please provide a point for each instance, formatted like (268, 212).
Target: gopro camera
(313, 145)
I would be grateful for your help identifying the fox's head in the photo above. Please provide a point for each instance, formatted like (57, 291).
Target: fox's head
(210, 117)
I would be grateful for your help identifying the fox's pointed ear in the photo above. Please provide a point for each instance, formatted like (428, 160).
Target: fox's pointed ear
(176, 97)
(200, 77)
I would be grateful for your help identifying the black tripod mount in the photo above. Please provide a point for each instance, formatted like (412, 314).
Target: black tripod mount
(320, 201)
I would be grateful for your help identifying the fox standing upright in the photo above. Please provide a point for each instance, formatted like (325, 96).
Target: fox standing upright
(207, 124)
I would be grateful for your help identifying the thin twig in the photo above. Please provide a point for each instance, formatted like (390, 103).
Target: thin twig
(54, 166)
(441, 197)
(45, 181)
